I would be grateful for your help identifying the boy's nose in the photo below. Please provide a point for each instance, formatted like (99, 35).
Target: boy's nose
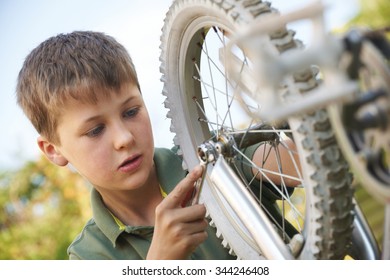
(122, 137)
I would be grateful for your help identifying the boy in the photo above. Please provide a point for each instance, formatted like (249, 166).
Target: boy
(81, 92)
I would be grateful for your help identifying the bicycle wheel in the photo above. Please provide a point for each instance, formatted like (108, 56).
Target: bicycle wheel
(203, 106)
(363, 126)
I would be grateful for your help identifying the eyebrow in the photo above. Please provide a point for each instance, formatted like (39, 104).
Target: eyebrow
(94, 118)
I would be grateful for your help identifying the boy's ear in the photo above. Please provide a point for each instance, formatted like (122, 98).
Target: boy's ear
(51, 151)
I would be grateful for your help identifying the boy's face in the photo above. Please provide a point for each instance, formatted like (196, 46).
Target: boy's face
(110, 143)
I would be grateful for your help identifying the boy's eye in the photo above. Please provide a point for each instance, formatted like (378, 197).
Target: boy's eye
(95, 131)
(130, 113)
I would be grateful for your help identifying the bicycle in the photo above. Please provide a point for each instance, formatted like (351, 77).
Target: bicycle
(248, 218)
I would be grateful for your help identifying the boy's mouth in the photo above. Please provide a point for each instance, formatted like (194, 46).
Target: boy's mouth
(130, 163)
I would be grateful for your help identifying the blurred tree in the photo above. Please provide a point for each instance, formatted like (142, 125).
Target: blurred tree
(43, 207)
(373, 13)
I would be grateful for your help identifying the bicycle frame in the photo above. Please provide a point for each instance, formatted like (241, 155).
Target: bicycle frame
(233, 190)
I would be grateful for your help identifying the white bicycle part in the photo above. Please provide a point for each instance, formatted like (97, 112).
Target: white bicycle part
(204, 106)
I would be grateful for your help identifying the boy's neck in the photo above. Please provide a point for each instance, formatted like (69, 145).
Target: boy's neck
(135, 207)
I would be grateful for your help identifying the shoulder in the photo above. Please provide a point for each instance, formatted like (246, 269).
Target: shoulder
(84, 246)
(169, 167)
(91, 244)
(168, 159)
(167, 153)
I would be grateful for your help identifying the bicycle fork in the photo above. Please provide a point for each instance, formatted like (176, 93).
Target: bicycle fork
(226, 181)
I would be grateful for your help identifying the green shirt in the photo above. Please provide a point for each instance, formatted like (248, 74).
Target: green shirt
(103, 238)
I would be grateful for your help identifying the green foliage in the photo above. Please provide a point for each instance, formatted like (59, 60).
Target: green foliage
(373, 211)
(43, 207)
(374, 14)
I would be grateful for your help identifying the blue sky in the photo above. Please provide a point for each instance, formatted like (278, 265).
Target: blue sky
(134, 23)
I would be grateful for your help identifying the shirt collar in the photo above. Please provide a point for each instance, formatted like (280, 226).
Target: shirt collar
(103, 218)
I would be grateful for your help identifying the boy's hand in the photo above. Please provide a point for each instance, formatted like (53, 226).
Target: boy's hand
(178, 230)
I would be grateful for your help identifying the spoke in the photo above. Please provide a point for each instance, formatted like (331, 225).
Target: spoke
(220, 91)
(259, 131)
(212, 82)
(222, 72)
(218, 68)
(275, 222)
(213, 123)
(218, 34)
(229, 103)
(208, 95)
(284, 186)
(297, 169)
(263, 173)
(204, 114)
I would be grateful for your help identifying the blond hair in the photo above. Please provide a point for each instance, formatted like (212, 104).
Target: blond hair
(70, 66)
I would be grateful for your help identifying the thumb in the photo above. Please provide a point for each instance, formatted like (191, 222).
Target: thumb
(180, 192)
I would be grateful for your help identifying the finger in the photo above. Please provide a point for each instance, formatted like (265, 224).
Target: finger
(190, 214)
(194, 233)
(189, 228)
(179, 193)
(198, 187)
(188, 197)
(198, 238)
(197, 226)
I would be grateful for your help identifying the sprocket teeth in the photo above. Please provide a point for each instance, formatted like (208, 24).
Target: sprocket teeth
(231, 252)
(219, 234)
(184, 166)
(212, 224)
(225, 244)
